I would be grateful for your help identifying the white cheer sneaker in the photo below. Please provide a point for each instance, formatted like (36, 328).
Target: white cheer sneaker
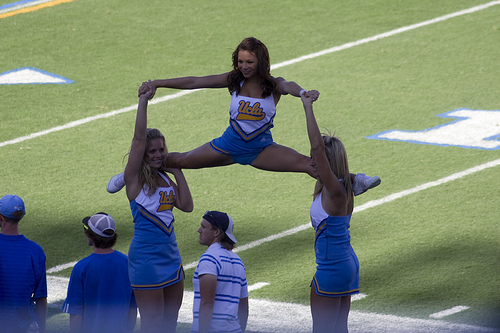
(116, 183)
(363, 183)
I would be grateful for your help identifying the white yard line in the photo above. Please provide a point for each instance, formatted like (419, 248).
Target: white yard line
(282, 64)
(449, 312)
(62, 267)
(386, 34)
(425, 186)
(90, 119)
(257, 285)
(268, 316)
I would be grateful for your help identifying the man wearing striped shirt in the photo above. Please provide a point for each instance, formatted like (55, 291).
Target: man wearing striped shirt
(219, 281)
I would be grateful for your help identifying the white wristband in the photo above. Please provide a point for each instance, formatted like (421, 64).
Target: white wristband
(301, 92)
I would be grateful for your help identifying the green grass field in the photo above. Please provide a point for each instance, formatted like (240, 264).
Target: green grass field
(419, 254)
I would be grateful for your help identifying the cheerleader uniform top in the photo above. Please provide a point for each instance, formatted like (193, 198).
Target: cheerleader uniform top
(153, 217)
(333, 240)
(154, 259)
(250, 116)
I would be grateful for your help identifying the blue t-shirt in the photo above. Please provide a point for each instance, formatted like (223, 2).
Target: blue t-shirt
(99, 290)
(22, 279)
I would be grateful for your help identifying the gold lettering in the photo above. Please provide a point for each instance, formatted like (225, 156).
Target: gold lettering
(167, 200)
(245, 112)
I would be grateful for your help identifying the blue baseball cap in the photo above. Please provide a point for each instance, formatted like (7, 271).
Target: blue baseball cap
(9, 204)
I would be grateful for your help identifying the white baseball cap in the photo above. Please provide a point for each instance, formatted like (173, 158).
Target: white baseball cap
(101, 224)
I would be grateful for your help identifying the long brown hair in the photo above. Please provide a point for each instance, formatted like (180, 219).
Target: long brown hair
(260, 51)
(337, 157)
(148, 177)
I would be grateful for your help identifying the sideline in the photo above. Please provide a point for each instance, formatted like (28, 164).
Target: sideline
(279, 65)
(26, 6)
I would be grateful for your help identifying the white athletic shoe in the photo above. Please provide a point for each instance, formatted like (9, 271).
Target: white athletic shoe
(363, 183)
(116, 183)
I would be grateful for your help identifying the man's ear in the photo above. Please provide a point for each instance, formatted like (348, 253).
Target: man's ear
(218, 233)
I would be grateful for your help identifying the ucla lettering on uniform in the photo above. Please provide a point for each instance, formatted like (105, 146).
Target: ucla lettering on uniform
(167, 199)
(245, 112)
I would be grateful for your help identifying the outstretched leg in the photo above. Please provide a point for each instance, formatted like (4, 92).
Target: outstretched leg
(273, 158)
(283, 159)
(201, 157)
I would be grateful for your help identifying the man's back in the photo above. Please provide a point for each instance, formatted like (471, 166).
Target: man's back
(100, 291)
(22, 276)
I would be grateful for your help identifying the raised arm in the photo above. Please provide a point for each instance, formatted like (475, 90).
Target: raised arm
(334, 195)
(187, 82)
(138, 147)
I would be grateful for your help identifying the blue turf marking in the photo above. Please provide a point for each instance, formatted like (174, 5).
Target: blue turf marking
(65, 80)
(472, 129)
(17, 3)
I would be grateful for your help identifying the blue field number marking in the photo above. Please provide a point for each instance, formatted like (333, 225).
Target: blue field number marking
(31, 75)
(476, 129)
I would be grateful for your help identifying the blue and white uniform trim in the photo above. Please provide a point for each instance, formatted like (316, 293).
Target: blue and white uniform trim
(177, 277)
(154, 259)
(337, 271)
(156, 220)
(250, 116)
(249, 130)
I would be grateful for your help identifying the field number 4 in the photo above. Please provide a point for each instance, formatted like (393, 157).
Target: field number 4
(476, 129)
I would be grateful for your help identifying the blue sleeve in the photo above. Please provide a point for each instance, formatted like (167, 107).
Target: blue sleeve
(41, 275)
(74, 300)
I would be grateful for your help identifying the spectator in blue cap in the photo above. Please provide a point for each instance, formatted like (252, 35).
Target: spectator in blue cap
(23, 281)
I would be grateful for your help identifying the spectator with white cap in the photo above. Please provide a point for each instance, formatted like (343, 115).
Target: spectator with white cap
(100, 297)
(23, 281)
(219, 281)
